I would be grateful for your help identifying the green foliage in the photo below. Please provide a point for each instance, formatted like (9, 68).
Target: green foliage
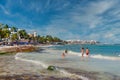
(14, 34)
(6, 27)
(57, 39)
(23, 34)
(5, 34)
(13, 29)
(14, 37)
(47, 39)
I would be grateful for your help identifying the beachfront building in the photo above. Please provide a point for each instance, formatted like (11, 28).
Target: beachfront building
(82, 42)
(35, 34)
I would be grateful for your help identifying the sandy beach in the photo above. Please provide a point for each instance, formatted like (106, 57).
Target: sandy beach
(11, 69)
(18, 69)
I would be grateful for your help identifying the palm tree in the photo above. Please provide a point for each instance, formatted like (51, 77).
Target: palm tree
(23, 34)
(5, 34)
(13, 29)
(49, 38)
(57, 39)
(14, 37)
(0, 32)
(6, 27)
(1, 25)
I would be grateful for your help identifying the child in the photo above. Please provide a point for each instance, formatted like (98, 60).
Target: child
(63, 55)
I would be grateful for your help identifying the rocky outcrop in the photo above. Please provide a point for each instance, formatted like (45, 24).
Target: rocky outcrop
(14, 49)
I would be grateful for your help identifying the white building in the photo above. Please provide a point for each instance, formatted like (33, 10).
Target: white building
(35, 34)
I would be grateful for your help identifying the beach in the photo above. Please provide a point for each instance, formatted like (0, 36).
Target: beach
(33, 66)
(11, 69)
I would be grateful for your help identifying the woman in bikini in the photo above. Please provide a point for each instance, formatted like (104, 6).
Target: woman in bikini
(87, 52)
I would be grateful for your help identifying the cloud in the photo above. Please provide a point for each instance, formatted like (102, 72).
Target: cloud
(4, 10)
(91, 15)
(79, 20)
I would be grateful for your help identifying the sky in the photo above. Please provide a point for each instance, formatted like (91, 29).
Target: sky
(67, 19)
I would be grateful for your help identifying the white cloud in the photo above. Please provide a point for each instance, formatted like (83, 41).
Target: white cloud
(79, 19)
(90, 15)
(109, 35)
(5, 10)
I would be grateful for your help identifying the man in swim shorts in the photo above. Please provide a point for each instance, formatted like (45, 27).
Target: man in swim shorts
(82, 51)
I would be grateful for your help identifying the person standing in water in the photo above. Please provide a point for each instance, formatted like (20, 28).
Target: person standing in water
(87, 52)
(82, 51)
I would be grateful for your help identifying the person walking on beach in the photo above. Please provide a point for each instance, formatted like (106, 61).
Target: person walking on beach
(87, 52)
(82, 51)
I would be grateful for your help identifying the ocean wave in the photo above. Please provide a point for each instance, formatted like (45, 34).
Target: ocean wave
(98, 56)
(62, 71)
(76, 53)
(105, 57)
(46, 46)
(73, 75)
(17, 57)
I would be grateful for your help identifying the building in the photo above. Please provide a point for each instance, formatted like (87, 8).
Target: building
(35, 34)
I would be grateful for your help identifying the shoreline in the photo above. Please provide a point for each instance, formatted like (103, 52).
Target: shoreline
(12, 69)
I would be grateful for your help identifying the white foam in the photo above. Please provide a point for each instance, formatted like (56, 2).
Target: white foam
(99, 56)
(76, 53)
(67, 74)
(73, 75)
(35, 62)
(47, 46)
(105, 57)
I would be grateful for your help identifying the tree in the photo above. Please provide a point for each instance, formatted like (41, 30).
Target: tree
(42, 39)
(13, 29)
(14, 37)
(0, 30)
(49, 38)
(23, 34)
(5, 34)
(57, 39)
(6, 27)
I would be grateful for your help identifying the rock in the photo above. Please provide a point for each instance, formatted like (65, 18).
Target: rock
(51, 68)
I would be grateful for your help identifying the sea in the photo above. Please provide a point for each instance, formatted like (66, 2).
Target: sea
(103, 62)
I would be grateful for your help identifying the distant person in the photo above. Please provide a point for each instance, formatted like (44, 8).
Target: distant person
(63, 55)
(87, 52)
(66, 51)
(82, 51)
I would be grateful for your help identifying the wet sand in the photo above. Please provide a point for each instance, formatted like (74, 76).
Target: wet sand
(11, 69)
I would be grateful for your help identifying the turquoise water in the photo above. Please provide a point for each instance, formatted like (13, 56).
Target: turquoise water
(103, 59)
(108, 50)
